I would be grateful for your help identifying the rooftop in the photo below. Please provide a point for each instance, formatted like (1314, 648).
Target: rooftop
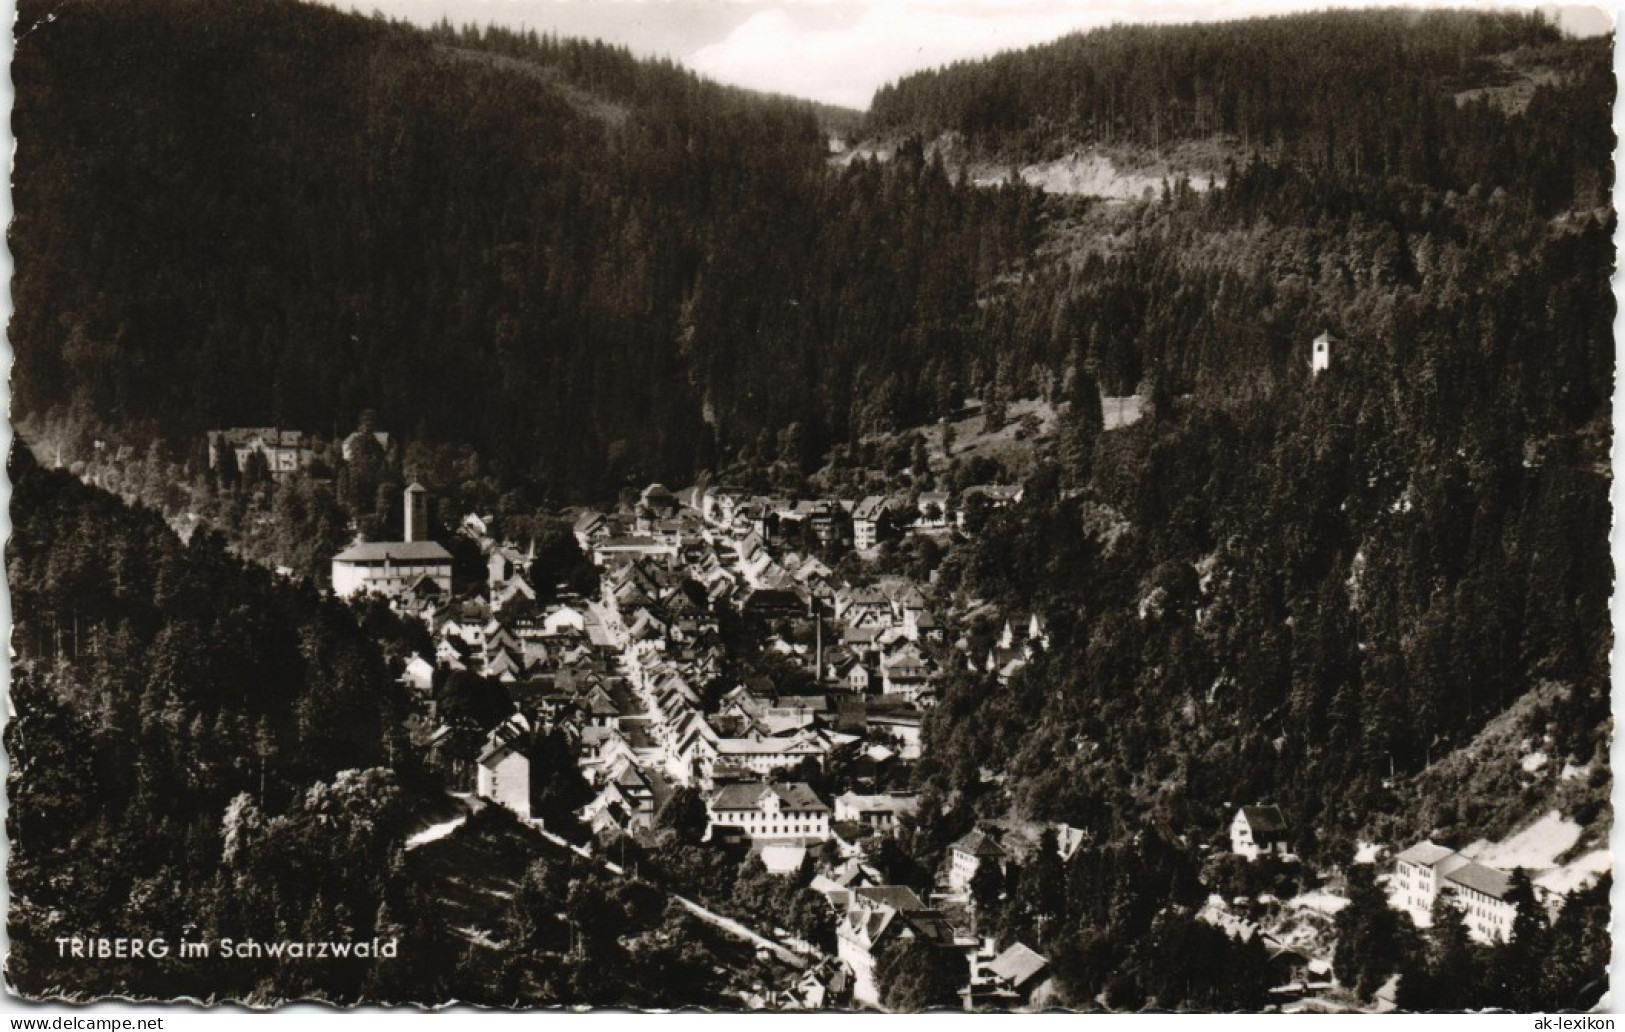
(393, 551)
(1426, 853)
(1018, 965)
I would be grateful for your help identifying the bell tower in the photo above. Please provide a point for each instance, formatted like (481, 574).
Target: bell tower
(417, 513)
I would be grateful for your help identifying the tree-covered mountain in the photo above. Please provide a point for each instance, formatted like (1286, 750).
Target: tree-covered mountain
(203, 753)
(1282, 586)
(592, 269)
(165, 694)
(1411, 93)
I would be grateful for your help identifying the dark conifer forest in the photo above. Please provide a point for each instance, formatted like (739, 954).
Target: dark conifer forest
(555, 272)
(629, 268)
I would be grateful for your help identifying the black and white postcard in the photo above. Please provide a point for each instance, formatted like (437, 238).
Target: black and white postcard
(750, 505)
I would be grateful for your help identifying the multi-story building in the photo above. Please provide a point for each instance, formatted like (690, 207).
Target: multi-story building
(779, 811)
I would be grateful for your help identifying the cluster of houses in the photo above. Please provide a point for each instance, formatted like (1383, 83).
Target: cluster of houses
(664, 522)
(871, 916)
(629, 680)
(1422, 874)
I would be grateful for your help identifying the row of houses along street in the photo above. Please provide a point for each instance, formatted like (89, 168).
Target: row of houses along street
(643, 680)
(634, 678)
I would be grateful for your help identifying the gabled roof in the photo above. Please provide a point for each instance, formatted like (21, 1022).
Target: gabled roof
(898, 897)
(1426, 853)
(1018, 965)
(395, 551)
(509, 736)
(797, 795)
(1483, 879)
(870, 508)
(865, 597)
(979, 843)
(1265, 819)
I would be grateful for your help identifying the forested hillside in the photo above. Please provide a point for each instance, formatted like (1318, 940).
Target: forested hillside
(154, 684)
(1378, 93)
(592, 270)
(1295, 588)
(639, 274)
(204, 753)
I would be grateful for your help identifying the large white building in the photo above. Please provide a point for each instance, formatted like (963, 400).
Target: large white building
(392, 567)
(1426, 870)
(784, 811)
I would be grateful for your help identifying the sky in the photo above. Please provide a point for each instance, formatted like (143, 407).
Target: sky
(840, 51)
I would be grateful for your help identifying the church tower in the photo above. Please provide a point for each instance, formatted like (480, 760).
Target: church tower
(417, 513)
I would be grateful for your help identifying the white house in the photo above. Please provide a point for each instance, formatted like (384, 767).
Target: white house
(878, 915)
(419, 674)
(504, 769)
(967, 856)
(876, 811)
(1256, 830)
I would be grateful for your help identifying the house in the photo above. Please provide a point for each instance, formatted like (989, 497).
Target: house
(905, 673)
(773, 604)
(967, 856)
(1427, 871)
(993, 496)
(419, 675)
(607, 548)
(782, 810)
(1419, 874)
(866, 518)
(875, 811)
(1018, 971)
(1481, 894)
(821, 987)
(863, 607)
(284, 451)
(877, 916)
(503, 775)
(1256, 830)
(505, 563)
(856, 677)
(921, 623)
(763, 755)
(629, 799)
(591, 527)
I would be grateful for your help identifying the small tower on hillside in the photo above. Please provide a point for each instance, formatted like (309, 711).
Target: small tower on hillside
(1320, 353)
(417, 513)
